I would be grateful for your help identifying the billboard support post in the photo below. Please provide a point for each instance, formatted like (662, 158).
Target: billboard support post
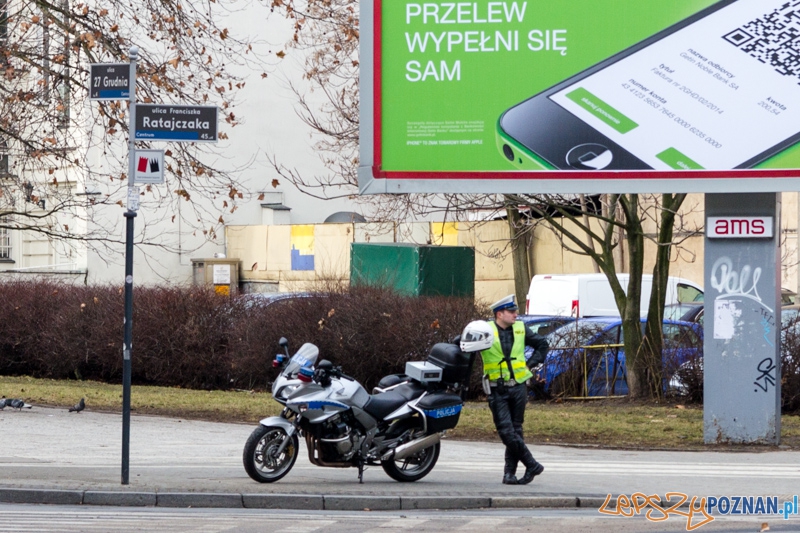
(741, 347)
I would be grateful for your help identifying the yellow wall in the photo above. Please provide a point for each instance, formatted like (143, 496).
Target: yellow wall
(265, 251)
(551, 257)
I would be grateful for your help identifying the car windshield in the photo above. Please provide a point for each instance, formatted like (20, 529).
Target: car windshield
(575, 334)
(789, 315)
(676, 311)
(266, 299)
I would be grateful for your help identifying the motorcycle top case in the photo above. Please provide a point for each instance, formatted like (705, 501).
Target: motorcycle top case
(442, 409)
(424, 372)
(453, 362)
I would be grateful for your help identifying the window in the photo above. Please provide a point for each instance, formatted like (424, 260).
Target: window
(611, 336)
(3, 32)
(687, 293)
(678, 336)
(5, 240)
(62, 82)
(3, 158)
(3, 19)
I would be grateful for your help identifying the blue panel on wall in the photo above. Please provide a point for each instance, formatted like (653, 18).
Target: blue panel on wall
(301, 262)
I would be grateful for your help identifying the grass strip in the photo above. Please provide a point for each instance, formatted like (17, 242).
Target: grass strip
(606, 423)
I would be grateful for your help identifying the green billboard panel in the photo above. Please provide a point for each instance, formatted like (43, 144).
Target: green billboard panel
(580, 96)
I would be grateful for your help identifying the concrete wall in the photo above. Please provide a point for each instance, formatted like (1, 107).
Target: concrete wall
(267, 252)
(267, 265)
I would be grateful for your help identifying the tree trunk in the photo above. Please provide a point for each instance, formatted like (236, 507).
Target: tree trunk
(635, 358)
(653, 341)
(589, 240)
(519, 254)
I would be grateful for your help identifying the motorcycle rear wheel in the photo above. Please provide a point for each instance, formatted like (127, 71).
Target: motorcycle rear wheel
(260, 460)
(414, 467)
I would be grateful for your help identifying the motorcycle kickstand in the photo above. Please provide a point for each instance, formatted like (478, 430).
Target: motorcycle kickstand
(361, 471)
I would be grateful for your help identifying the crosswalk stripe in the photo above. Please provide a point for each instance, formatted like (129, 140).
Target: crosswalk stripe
(397, 523)
(304, 528)
(483, 524)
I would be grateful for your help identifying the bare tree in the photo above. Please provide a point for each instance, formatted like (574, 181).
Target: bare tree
(63, 158)
(327, 31)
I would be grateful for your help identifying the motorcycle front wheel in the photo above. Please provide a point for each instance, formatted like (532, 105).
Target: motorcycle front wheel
(414, 467)
(262, 462)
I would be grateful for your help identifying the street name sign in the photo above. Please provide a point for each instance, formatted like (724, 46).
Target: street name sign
(110, 81)
(182, 123)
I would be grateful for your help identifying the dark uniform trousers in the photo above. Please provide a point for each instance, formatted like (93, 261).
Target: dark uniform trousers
(508, 410)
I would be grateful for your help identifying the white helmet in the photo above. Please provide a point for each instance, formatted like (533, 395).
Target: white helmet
(477, 336)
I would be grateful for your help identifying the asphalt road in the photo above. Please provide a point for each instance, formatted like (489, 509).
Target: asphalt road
(59, 519)
(51, 448)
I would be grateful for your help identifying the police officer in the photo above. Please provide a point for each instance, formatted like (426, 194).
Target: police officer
(505, 373)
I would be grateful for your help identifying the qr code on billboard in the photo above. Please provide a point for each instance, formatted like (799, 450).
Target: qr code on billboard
(773, 39)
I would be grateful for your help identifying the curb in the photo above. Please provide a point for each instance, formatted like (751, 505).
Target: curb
(317, 502)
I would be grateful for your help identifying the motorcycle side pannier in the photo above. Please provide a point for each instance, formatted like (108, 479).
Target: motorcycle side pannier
(442, 409)
(453, 362)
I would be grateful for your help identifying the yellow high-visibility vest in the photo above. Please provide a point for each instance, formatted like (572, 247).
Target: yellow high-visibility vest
(494, 364)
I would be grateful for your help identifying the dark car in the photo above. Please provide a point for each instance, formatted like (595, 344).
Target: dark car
(789, 314)
(693, 312)
(587, 357)
(543, 324)
(266, 299)
(687, 380)
(684, 312)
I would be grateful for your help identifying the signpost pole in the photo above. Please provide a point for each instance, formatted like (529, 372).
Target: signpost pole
(130, 214)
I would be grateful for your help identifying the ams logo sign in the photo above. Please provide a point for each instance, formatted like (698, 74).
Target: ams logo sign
(739, 227)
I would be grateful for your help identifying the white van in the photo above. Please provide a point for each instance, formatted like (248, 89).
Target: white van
(585, 295)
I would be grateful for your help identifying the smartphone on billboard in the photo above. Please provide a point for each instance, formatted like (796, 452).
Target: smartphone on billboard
(719, 91)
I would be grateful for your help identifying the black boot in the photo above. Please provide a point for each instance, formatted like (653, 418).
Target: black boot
(510, 479)
(530, 473)
(510, 469)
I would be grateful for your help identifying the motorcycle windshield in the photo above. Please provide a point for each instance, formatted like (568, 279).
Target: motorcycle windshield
(305, 356)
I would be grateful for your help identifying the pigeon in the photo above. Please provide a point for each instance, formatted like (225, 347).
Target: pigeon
(17, 404)
(78, 407)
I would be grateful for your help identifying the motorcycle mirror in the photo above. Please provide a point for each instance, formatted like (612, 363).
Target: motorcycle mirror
(325, 365)
(456, 340)
(285, 343)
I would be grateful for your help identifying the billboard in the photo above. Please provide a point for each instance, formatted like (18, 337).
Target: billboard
(584, 96)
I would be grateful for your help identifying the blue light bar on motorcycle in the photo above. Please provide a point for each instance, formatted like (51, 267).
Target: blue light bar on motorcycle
(278, 361)
(305, 374)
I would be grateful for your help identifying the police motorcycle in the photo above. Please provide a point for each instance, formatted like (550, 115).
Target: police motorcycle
(398, 427)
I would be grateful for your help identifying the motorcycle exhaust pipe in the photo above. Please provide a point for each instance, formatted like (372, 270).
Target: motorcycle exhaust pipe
(410, 448)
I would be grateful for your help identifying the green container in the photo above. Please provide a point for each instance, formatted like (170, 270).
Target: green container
(413, 269)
